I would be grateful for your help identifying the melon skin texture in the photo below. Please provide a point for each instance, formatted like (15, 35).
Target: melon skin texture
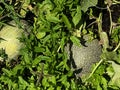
(82, 57)
(10, 43)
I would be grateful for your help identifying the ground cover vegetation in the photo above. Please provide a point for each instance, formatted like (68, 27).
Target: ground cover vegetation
(43, 63)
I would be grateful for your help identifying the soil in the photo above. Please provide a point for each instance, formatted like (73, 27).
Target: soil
(115, 12)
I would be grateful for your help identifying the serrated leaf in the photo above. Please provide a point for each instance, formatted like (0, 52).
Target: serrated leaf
(77, 16)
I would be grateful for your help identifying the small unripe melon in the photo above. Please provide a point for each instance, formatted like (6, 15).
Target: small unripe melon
(10, 35)
(83, 57)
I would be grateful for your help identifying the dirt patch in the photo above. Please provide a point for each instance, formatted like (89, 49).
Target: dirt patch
(115, 13)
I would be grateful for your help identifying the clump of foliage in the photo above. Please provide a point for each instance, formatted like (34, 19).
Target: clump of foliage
(43, 64)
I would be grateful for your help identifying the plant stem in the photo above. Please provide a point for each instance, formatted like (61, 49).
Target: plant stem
(117, 47)
(94, 69)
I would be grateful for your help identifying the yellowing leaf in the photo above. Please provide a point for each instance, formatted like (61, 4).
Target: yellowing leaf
(40, 35)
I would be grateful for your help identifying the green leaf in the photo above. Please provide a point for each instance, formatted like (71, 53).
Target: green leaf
(52, 18)
(110, 70)
(62, 43)
(51, 88)
(63, 79)
(39, 49)
(40, 35)
(7, 72)
(60, 65)
(16, 69)
(75, 40)
(104, 39)
(70, 73)
(116, 77)
(23, 83)
(27, 58)
(53, 79)
(73, 85)
(58, 88)
(31, 87)
(66, 21)
(77, 16)
(46, 38)
(104, 83)
(85, 4)
(99, 87)
(57, 27)
(25, 7)
(115, 34)
(45, 82)
(36, 60)
(112, 56)
(40, 58)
